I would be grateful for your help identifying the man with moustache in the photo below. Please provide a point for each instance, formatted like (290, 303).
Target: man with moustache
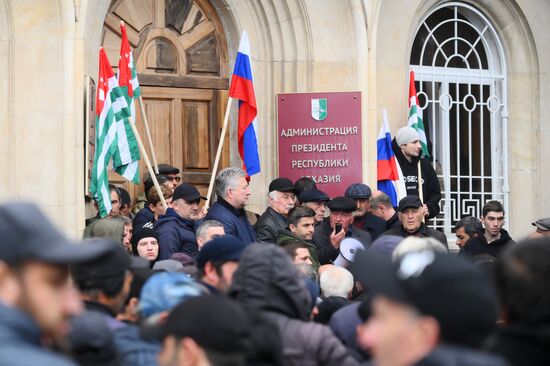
(330, 233)
(282, 198)
(176, 228)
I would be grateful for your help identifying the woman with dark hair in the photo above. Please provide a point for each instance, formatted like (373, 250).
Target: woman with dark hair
(145, 244)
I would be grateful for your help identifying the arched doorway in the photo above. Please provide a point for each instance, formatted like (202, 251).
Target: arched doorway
(180, 52)
(460, 72)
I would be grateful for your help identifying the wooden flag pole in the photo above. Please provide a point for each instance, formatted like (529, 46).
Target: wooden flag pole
(420, 190)
(148, 163)
(148, 132)
(218, 152)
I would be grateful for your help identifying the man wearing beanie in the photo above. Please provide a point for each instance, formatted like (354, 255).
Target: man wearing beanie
(407, 149)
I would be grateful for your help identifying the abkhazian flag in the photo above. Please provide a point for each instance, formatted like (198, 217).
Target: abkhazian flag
(387, 171)
(242, 88)
(125, 160)
(415, 116)
(111, 108)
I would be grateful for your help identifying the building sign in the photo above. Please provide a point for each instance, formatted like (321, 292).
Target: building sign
(319, 136)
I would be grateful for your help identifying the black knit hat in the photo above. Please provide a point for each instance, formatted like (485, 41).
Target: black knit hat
(140, 234)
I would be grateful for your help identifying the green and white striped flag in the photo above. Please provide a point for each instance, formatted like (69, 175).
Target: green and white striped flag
(415, 116)
(111, 109)
(126, 159)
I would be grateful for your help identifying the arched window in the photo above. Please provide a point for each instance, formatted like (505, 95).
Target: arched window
(461, 81)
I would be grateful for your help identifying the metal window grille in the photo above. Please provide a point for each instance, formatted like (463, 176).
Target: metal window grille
(461, 81)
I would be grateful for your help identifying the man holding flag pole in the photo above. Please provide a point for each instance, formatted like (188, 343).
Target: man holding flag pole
(411, 152)
(232, 183)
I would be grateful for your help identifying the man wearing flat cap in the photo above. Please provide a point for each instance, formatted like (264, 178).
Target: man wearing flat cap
(176, 228)
(317, 201)
(281, 199)
(363, 219)
(411, 224)
(330, 233)
(407, 149)
(37, 298)
(543, 226)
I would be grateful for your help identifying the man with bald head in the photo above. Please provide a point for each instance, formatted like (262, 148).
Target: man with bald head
(381, 206)
(407, 149)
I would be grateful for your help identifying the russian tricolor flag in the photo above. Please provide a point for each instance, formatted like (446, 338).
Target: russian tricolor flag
(388, 174)
(242, 88)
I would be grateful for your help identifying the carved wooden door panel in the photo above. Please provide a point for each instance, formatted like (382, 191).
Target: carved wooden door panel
(181, 57)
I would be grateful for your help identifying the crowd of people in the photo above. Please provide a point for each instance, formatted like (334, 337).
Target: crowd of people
(313, 280)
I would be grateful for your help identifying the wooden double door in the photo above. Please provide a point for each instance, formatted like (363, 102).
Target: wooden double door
(180, 52)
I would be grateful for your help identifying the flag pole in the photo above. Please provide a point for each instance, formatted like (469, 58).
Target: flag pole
(218, 152)
(420, 190)
(148, 163)
(148, 132)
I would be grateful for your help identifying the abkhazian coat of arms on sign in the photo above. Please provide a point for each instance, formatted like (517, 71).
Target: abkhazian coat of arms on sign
(319, 109)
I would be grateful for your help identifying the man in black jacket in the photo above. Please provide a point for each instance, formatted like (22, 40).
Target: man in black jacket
(411, 216)
(381, 206)
(330, 233)
(363, 218)
(407, 149)
(523, 288)
(495, 238)
(282, 198)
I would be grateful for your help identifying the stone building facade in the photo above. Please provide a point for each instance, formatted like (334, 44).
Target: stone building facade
(47, 48)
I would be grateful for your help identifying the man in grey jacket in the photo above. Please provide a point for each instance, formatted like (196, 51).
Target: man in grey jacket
(268, 282)
(36, 297)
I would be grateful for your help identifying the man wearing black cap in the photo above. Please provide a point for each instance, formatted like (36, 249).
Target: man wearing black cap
(105, 285)
(282, 198)
(427, 309)
(204, 331)
(330, 233)
(176, 228)
(411, 216)
(317, 201)
(218, 260)
(363, 218)
(172, 174)
(36, 296)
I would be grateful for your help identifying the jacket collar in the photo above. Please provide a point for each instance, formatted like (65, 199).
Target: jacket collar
(18, 325)
(99, 308)
(231, 208)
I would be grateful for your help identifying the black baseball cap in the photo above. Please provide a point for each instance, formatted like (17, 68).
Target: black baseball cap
(342, 204)
(215, 322)
(313, 195)
(187, 192)
(408, 202)
(27, 234)
(92, 273)
(282, 185)
(220, 249)
(447, 287)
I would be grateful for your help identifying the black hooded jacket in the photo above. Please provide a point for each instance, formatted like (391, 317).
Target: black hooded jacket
(430, 184)
(268, 281)
(523, 344)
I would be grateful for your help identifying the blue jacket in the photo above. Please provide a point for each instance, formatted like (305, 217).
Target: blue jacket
(134, 350)
(176, 235)
(20, 342)
(234, 221)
